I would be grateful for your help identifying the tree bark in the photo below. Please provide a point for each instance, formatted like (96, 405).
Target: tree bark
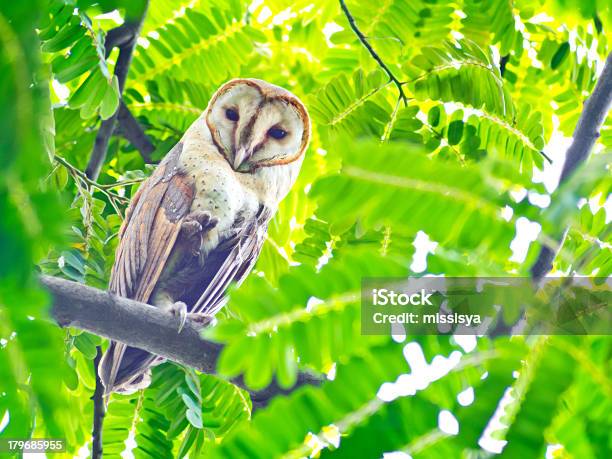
(133, 323)
(130, 128)
(146, 327)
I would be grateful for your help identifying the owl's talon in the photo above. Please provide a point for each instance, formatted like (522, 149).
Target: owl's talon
(205, 219)
(190, 228)
(179, 309)
(200, 318)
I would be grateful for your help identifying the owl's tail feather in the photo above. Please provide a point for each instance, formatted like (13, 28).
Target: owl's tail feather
(125, 369)
(109, 366)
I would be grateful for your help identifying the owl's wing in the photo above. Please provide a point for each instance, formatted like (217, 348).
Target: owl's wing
(147, 237)
(233, 259)
(150, 229)
(230, 261)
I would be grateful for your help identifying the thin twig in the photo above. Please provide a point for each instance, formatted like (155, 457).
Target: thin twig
(391, 124)
(99, 410)
(364, 42)
(85, 184)
(120, 184)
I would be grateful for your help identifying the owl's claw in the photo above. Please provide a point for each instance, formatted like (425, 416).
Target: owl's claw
(200, 318)
(191, 228)
(197, 222)
(179, 309)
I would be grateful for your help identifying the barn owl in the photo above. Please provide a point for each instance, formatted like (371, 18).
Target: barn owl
(199, 222)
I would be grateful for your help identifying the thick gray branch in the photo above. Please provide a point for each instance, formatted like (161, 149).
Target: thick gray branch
(142, 326)
(586, 133)
(131, 322)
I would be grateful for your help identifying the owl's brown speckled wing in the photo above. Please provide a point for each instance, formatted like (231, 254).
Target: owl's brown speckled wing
(151, 229)
(147, 237)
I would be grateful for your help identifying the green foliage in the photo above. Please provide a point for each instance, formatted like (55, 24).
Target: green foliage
(463, 73)
(487, 83)
(181, 412)
(32, 350)
(587, 248)
(219, 34)
(78, 56)
(353, 107)
(458, 206)
(151, 432)
(120, 418)
(313, 409)
(410, 423)
(547, 382)
(277, 327)
(590, 180)
(316, 244)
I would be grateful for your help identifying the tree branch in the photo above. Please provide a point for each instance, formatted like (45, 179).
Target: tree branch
(143, 326)
(119, 37)
(374, 54)
(586, 133)
(503, 62)
(593, 115)
(125, 38)
(131, 129)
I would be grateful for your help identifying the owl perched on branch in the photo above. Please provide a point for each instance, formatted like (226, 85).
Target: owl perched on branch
(199, 222)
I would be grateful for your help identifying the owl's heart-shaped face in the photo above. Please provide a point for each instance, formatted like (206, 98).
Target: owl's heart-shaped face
(255, 124)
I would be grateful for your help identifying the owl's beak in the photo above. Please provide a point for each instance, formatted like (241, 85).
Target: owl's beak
(242, 154)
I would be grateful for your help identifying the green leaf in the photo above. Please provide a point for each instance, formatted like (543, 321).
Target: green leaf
(550, 375)
(397, 185)
(91, 84)
(560, 55)
(455, 131)
(459, 73)
(110, 101)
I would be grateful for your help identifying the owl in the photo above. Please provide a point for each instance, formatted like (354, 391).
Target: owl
(197, 224)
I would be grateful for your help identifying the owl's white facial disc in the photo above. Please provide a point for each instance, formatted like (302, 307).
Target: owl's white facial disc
(255, 125)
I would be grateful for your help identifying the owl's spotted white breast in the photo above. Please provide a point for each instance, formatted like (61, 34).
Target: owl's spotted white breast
(218, 189)
(198, 223)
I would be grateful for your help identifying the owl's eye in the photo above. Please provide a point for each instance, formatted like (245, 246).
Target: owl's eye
(232, 114)
(277, 133)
